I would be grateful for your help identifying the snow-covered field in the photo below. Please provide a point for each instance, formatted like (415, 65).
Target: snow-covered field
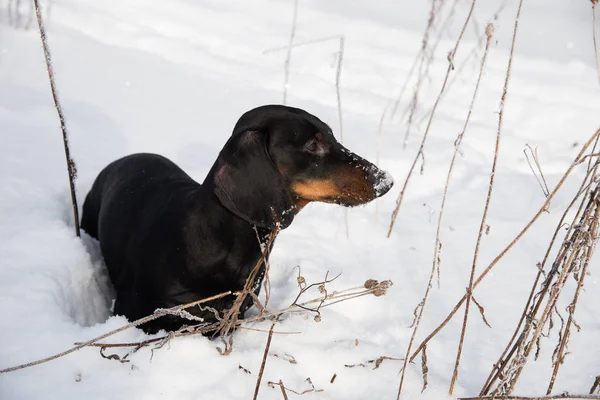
(173, 77)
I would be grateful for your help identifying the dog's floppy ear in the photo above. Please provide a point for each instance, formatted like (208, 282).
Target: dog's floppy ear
(248, 184)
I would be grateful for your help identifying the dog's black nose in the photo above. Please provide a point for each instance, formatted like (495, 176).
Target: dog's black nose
(383, 182)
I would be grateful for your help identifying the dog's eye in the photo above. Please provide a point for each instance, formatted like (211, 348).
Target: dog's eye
(312, 146)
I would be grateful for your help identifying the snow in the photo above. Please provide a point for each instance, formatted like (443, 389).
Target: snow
(173, 77)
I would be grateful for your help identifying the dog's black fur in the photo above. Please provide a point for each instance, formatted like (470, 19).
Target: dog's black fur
(168, 240)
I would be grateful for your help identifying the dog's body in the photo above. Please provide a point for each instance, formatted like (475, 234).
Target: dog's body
(168, 240)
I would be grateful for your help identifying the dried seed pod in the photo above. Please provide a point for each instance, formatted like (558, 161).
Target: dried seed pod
(301, 281)
(371, 283)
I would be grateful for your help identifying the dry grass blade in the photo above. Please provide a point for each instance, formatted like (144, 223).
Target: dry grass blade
(451, 56)
(540, 179)
(481, 311)
(71, 168)
(482, 226)
(437, 245)
(114, 332)
(264, 361)
(510, 245)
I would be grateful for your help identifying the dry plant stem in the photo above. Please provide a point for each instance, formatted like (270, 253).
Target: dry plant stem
(567, 332)
(541, 180)
(229, 321)
(361, 291)
(583, 189)
(521, 346)
(72, 170)
(504, 359)
(419, 59)
(267, 279)
(459, 70)
(451, 56)
(594, 2)
(457, 145)
(509, 246)
(595, 385)
(482, 226)
(264, 362)
(558, 396)
(282, 387)
(518, 346)
(572, 243)
(289, 53)
(121, 329)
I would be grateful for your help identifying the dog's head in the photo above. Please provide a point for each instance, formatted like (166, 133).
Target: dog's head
(280, 158)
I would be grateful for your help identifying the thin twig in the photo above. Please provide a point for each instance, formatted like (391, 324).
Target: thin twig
(229, 321)
(502, 361)
(509, 246)
(482, 227)
(377, 289)
(264, 362)
(530, 312)
(121, 329)
(451, 56)
(540, 179)
(571, 250)
(436, 250)
(595, 385)
(565, 337)
(71, 168)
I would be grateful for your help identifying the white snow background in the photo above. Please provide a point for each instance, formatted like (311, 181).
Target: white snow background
(174, 76)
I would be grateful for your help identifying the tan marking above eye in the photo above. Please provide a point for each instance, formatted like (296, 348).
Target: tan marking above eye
(315, 190)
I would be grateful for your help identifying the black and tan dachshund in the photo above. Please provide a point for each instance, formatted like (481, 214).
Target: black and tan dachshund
(167, 240)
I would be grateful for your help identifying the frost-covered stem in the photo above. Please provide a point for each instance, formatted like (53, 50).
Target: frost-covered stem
(565, 337)
(509, 246)
(436, 248)
(289, 52)
(506, 355)
(482, 227)
(121, 329)
(573, 244)
(451, 56)
(71, 168)
(264, 362)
